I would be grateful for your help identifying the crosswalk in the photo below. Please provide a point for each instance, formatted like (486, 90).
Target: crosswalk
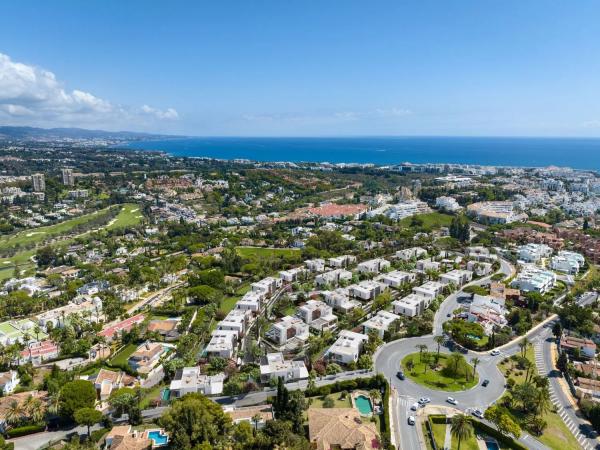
(543, 370)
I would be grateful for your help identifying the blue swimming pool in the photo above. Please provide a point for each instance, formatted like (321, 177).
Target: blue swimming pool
(363, 404)
(158, 438)
(491, 445)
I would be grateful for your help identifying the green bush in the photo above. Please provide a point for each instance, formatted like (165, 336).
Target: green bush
(97, 435)
(24, 430)
(507, 441)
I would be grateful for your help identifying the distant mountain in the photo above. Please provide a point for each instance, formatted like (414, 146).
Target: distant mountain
(32, 133)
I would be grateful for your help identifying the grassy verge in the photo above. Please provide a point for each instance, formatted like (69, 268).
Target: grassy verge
(439, 378)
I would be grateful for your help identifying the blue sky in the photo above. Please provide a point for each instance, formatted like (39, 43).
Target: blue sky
(304, 68)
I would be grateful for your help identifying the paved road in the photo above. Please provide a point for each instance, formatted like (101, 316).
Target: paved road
(544, 359)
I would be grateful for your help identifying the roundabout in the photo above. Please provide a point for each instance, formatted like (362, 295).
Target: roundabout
(447, 373)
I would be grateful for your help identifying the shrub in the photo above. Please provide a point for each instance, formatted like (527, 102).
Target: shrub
(24, 430)
(97, 435)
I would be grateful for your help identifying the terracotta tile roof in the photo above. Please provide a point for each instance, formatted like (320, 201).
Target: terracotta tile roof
(246, 413)
(341, 428)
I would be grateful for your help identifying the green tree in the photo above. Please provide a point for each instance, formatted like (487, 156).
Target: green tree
(193, 420)
(76, 395)
(87, 417)
(461, 428)
(439, 340)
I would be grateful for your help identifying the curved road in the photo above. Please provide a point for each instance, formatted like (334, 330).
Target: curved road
(406, 392)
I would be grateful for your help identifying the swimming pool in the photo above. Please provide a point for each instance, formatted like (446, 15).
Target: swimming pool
(491, 445)
(363, 404)
(158, 438)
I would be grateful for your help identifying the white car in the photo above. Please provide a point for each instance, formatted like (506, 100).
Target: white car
(424, 400)
(477, 413)
(415, 406)
(411, 420)
(495, 352)
(452, 401)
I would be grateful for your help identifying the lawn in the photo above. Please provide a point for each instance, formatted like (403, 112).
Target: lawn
(267, 252)
(439, 434)
(129, 215)
(317, 402)
(228, 303)
(430, 220)
(437, 379)
(556, 435)
(121, 358)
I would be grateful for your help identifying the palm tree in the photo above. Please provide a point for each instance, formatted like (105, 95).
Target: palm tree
(475, 361)
(54, 403)
(375, 395)
(455, 359)
(256, 419)
(14, 413)
(422, 348)
(439, 340)
(35, 409)
(543, 404)
(524, 345)
(461, 427)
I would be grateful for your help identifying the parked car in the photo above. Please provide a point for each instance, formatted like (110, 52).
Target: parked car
(400, 375)
(485, 382)
(452, 401)
(411, 420)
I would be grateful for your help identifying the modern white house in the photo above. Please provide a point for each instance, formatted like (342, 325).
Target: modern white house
(315, 265)
(267, 286)
(428, 264)
(341, 261)
(411, 253)
(366, 290)
(532, 253)
(291, 275)
(457, 277)
(333, 277)
(487, 311)
(287, 329)
(190, 380)
(340, 300)
(379, 323)
(480, 268)
(567, 262)
(251, 301)
(317, 315)
(532, 278)
(274, 365)
(411, 305)
(376, 265)
(396, 278)
(429, 290)
(347, 347)
(236, 320)
(222, 343)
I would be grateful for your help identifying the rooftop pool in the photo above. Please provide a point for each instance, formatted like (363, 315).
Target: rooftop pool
(363, 404)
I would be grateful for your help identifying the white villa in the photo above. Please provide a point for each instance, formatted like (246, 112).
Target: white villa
(379, 323)
(274, 366)
(347, 347)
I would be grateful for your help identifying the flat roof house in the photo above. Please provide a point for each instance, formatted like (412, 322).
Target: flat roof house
(410, 253)
(366, 290)
(291, 275)
(373, 265)
(341, 261)
(457, 277)
(339, 300)
(287, 329)
(430, 289)
(532, 278)
(190, 380)
(315, 265)
(333, 277)
(317, 315)
(379, 323)
(274, 365)
(251, 301)
(411, 305)
(266, 286)
(347, 347)
(532, 252)
(222, 344)
(236, 320)
(480, 268)
(396, 278)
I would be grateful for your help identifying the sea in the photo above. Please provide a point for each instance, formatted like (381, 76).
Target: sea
(578, 153)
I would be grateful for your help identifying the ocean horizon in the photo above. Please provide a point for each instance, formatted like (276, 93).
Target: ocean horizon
(578, 153)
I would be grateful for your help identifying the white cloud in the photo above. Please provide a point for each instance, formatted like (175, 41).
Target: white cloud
(330, 117)
(30, 95)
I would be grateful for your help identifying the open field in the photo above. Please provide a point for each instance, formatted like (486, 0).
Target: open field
(129, 215)
(122, 357)
(429, 220)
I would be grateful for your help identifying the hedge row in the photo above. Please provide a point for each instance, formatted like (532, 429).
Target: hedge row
(509, 442)
(24, 430)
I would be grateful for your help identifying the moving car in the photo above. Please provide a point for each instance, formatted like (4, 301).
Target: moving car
(485, 382)
(415, 406)
(495, 352)
(411, 420)
(400, 375)
(452, 401)
(477, 413)
(424, 400)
